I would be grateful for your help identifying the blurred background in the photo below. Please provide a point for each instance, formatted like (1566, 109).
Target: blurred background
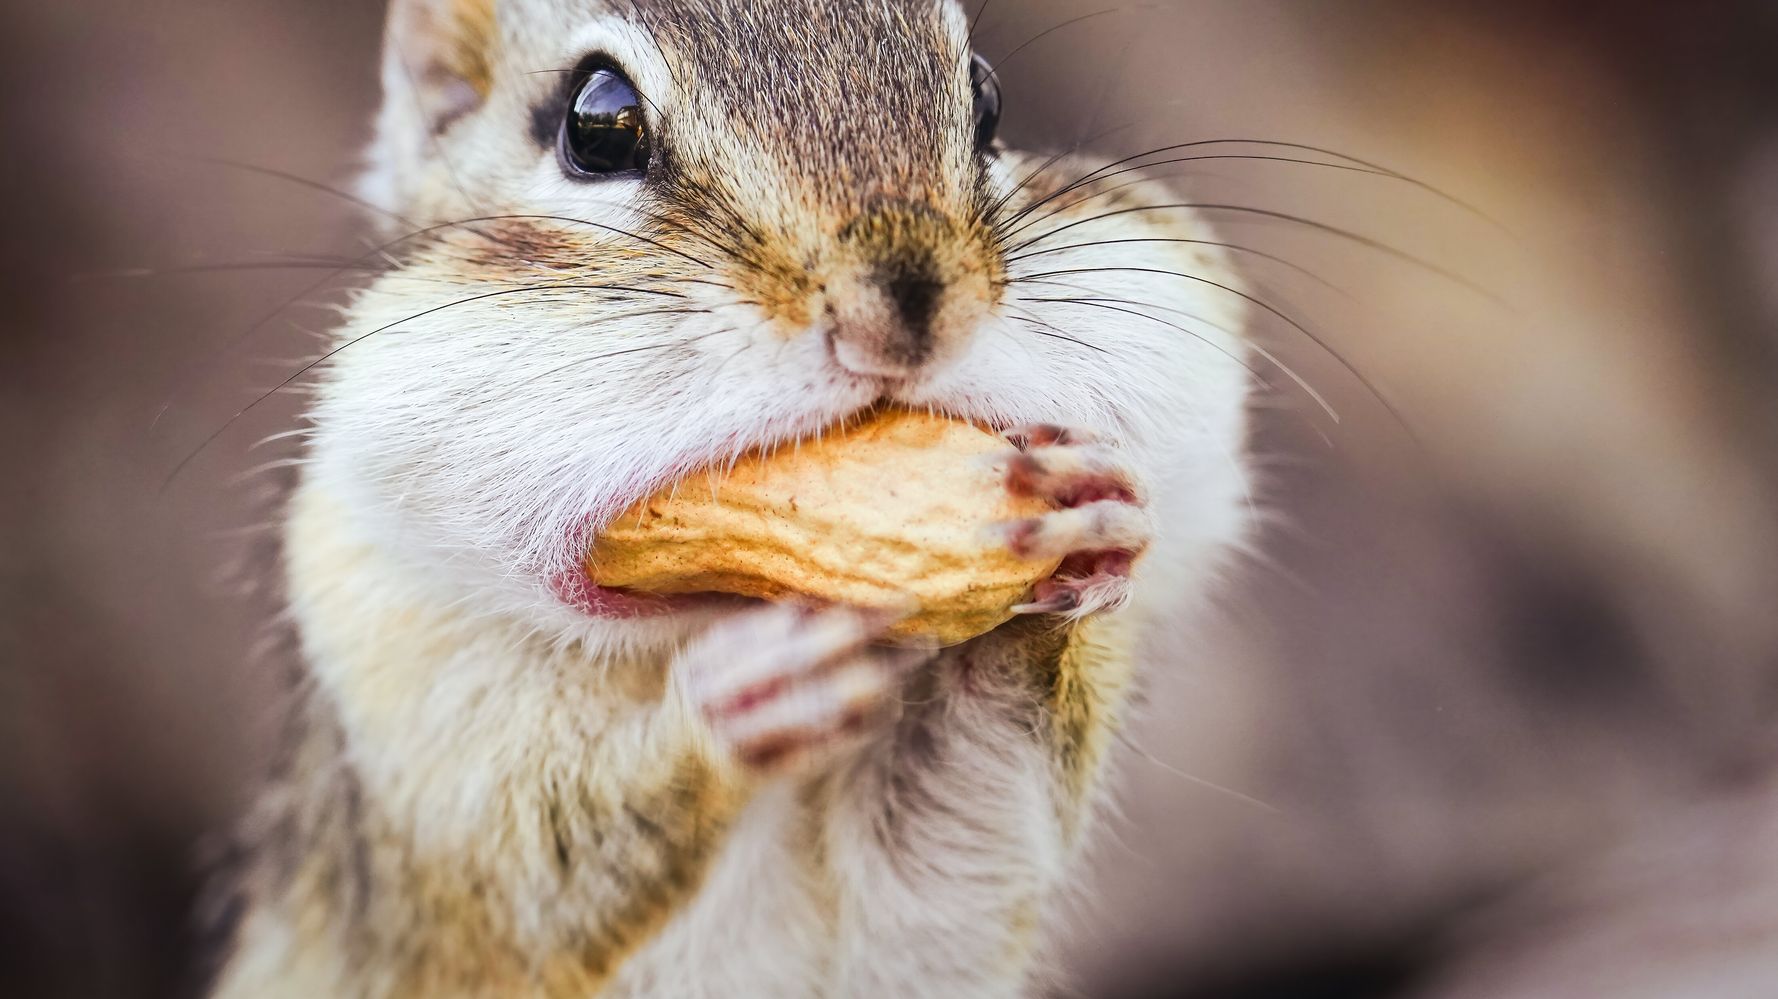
(1489, 716)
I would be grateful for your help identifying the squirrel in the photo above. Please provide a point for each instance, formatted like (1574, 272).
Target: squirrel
(627, 241)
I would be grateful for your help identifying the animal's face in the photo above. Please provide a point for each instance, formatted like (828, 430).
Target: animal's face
(637, 240)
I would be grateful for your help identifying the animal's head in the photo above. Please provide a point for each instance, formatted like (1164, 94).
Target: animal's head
(630, 239)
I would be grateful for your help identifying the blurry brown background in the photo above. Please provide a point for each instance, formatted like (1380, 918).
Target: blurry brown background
(1491, 714)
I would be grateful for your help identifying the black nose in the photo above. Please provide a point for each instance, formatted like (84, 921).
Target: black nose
(913, 293)
(894, 304)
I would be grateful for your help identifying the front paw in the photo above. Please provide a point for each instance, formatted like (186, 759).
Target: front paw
(786, 686)
(1101, 525)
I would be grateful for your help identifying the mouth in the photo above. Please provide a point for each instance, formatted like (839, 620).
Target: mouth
(573, 588)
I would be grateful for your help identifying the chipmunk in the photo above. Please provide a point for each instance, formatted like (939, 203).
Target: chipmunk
(627, 242)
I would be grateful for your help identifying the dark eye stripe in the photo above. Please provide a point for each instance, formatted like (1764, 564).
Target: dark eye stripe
(546, 118)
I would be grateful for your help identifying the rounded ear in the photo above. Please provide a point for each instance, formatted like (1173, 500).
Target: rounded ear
(438, 65)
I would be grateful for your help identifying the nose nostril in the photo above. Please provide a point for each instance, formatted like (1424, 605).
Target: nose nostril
(915, 298)
(893, 310)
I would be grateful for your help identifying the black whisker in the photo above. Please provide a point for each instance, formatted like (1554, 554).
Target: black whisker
(1051, 330)
(999, 204)
(975, 22)
(1107, 192)
(682, 342)
(1274, 143)
(1093, 294)
(1063, 336)
(187, 380)
(1033, 40)
(301, 181)
(1346, 234)
(236, 265)
(1319, 341)
(1007, 224)
(360, 338)
(1237, 247)
(381, 250)
(654, 34)
(1194, 334)
(1270, 358)
(712, 282)
(660, 115)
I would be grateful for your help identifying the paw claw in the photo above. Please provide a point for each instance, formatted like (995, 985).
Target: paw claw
(1078, 596)
(1070, 475)
(1100, 527)
(1060, 602)
(1103, 525)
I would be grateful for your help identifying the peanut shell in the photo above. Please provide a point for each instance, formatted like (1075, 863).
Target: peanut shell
(895, 511)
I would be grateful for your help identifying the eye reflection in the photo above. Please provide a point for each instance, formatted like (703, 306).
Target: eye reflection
(604, 131)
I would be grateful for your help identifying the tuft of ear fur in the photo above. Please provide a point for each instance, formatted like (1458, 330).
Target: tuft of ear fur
(438, 65)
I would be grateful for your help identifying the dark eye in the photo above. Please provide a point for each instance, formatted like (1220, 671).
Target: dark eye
(604, 132)
(987, 101)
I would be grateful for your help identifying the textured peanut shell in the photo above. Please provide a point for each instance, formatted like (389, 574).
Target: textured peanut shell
(893, 512)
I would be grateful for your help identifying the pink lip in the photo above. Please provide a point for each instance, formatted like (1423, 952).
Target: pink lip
(573, 588)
